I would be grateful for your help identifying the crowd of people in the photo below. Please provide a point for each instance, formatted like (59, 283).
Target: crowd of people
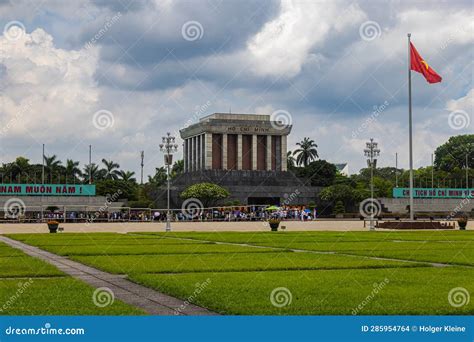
(235, 213)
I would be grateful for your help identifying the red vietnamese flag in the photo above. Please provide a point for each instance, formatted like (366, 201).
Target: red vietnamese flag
(418, 64)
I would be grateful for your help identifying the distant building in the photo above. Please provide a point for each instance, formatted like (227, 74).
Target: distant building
(343, 169)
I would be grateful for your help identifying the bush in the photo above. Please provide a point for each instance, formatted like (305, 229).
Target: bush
(207, 193)
(462, 221)
(339, 208)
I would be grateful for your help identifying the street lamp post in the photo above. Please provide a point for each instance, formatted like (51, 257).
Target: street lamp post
(467, 171)
(371, 151)
(168, 147)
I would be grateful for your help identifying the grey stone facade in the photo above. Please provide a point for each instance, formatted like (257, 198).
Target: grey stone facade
(246, 187)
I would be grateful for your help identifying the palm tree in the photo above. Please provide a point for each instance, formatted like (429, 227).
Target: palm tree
(306, 153)
(51, 164)
(178, 168)
(290, 160)
(20, 167)
(159, 178)
(95, 172)
(127, 176)
(111, 169)
(72, 168)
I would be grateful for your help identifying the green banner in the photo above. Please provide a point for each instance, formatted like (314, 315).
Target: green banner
(433, 193)
(47, 190)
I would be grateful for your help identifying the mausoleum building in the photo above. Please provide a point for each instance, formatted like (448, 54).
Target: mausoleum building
(244, 153)
(235, 142)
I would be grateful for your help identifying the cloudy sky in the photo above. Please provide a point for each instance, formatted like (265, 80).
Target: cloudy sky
(119, 74)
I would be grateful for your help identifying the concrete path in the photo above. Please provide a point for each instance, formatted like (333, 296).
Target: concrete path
(149, 300)
(128, 227)
(217, 226)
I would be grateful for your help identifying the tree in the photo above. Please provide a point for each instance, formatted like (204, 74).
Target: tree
(72, 169)
(207, 193)
(388, 173)
(51, 165)
(127, 176)
(452, 154)
(19, 167)
(111, 169)
(159, 178)
(178, 168)
(339, 208)
(384, 182)
(95, 173)
(290, 160)
(307, 152)
(117, 189)
(382, 187)
(319, 173)
(337, 192)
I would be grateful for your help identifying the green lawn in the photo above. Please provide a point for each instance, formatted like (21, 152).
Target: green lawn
(55, 296)
(450, 247)
(29, 286)
(332, 272)
(179, 263)
(26, 266)
(409, 291)
(106, 249)
(6, 251)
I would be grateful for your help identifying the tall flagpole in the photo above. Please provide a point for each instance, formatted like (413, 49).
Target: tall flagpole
(42, 169)
(410, 129)
(90, 164)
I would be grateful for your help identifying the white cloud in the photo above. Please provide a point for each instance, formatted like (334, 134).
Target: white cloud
(46, 86)
(465, 103)
(283, 44)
